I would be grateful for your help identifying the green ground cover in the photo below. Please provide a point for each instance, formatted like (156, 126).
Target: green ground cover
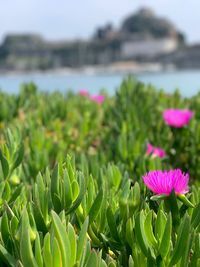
(71, 187)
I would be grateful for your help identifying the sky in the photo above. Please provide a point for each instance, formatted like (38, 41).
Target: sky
(69, 19)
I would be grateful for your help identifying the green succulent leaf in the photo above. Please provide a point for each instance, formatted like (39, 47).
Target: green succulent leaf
(112, 225)
(6, 257)
(186, 201)
(166, 239)
(25, 242)
(182, 241)
(140, 233)
(95, 209)
(63, 240)
(149, 229)
(4, 165)
(81, 242)
(47, 254)
(18, 157)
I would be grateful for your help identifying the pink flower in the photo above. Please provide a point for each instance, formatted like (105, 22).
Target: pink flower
(99, 99)
(177, 117)
(83, 92)
(164, 182)
(155, 151)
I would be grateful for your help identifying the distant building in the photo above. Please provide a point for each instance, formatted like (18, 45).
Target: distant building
(148, 48)
(142, 37)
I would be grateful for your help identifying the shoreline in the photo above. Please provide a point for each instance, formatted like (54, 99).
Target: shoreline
(118, 68)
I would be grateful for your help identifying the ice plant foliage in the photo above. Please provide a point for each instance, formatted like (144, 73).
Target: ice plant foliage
(177, 117)
(155, 151)
(99, 99)
(164, 182)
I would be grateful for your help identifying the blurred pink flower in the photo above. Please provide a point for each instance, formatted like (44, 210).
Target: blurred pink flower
(99, 99)
(84, 92)
(177, 117)
(164, 182)
(155, 151)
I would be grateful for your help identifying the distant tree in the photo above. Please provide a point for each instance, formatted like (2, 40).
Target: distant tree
(181, 38)
(103, 32)
(145, 22)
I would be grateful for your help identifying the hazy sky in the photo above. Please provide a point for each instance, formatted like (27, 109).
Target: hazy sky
(64, 19)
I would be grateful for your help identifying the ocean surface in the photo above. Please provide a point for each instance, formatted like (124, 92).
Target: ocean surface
(188, 82)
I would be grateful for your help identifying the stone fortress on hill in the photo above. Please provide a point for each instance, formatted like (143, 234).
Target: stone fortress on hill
(142, 38)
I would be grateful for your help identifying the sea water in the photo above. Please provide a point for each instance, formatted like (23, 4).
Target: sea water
(188, 82)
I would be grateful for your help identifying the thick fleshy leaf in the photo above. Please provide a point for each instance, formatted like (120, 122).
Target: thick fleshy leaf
(93, 260)
(4, 165)
(25, 243)
(7, 257)
(182, 241)
(166, 239)
(186, 201)
(18, 157)
(149, 230)
(112, 224)
(47, 254)
(63, 240)
(195, 221)
(81, 243)
(38, 251)
(72, 240)
(95, 209)
(78, 200)
(160, 225)
(140, 233)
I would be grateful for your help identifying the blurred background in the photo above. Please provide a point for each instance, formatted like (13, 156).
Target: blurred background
(94, 44)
